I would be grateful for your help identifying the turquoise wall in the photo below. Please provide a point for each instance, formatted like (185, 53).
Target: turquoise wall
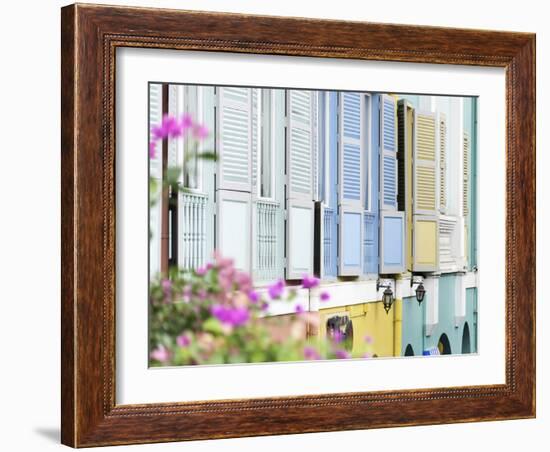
(413, 320)
(470, 126)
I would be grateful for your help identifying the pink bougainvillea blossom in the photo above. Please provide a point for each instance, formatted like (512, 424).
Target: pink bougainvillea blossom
(152, 150)
(200, 132)
(342, 354)
(369, 339)
(276, 289)
(161, 354)
(324, 296)
(230, 316)
(309, 282)
(183, 340)
(253, 296)
(311, 353)
(299, 309)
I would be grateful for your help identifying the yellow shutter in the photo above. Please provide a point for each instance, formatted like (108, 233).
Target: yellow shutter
(442, 162)
(425, 179)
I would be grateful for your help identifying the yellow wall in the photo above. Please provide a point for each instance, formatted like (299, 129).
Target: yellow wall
(426, 242)
(370, 319)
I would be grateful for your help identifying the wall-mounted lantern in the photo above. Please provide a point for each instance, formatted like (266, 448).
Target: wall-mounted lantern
(387, 296)
(420, 291)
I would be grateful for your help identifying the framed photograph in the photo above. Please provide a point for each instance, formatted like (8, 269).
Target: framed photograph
(281, 225)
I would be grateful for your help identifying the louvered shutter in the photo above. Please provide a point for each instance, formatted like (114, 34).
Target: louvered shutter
(442, 123)
(235, 141)
(405, 145)
(256, 137)
(388, 160)
(425, 165)
(351, 193)
(425, 218)
(466, 175)
(392, 222)
(300, 208)
(329, 208)
(370, 216)
(235, 138)
(155, 169)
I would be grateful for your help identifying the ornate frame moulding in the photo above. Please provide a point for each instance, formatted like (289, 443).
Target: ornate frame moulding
(90, 36)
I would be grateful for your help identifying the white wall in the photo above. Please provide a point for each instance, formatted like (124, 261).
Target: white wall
(30, 231)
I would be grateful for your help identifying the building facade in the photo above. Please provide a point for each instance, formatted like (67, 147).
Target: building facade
(356, 188)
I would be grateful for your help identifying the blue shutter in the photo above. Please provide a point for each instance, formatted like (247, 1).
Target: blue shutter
(352, 150)
(370, 216)
(388, 173)
(392, 222)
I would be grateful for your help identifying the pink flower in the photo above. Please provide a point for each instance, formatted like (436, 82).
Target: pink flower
(311, 353)
(183, 340)
(169, 127)
(309, 282)
(202, 294)
(337, 336)
(161, 354)
(253, 296)
(152, 150)
(201, 271)
(342, 354)
(325, 296)
(369, 339)
(230, 316)
(367, 355)
(200, 132)
(244, 281)
(299, 309)
(166, 285)
(276, 289)
(186, 123)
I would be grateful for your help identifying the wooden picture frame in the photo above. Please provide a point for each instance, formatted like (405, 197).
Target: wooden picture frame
(90, 35)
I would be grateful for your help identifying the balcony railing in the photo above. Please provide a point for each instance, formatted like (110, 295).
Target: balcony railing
(267, 265)
(193, 238)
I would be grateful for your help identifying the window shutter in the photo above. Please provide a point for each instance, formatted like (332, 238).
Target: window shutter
(388, 160)
(442, 163)
(235, 138)
(370, 216)
(155, 171)
(392, 222)
(256, 137)
(405, 145)
(300, 208)
(234, 227)
(351, 183)
(329, 208)
(425, 219)
(466, 175)
(425, 165)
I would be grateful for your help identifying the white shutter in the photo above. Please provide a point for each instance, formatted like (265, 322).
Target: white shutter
(442, 123)
(351, 183)
(234, 227)
(300, 208)
(235, 138)
(466, 175)
(155, 171)
(256, 138)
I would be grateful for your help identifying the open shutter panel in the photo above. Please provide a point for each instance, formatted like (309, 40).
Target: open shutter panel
(233, 230)
(392, 222)
(388, 161)
(442, 163)
(155, 169)
(300, 208)
(466, 175)
(405, 145)
(425, 219)
(425, 165)
(235, 138)
(351, 184)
